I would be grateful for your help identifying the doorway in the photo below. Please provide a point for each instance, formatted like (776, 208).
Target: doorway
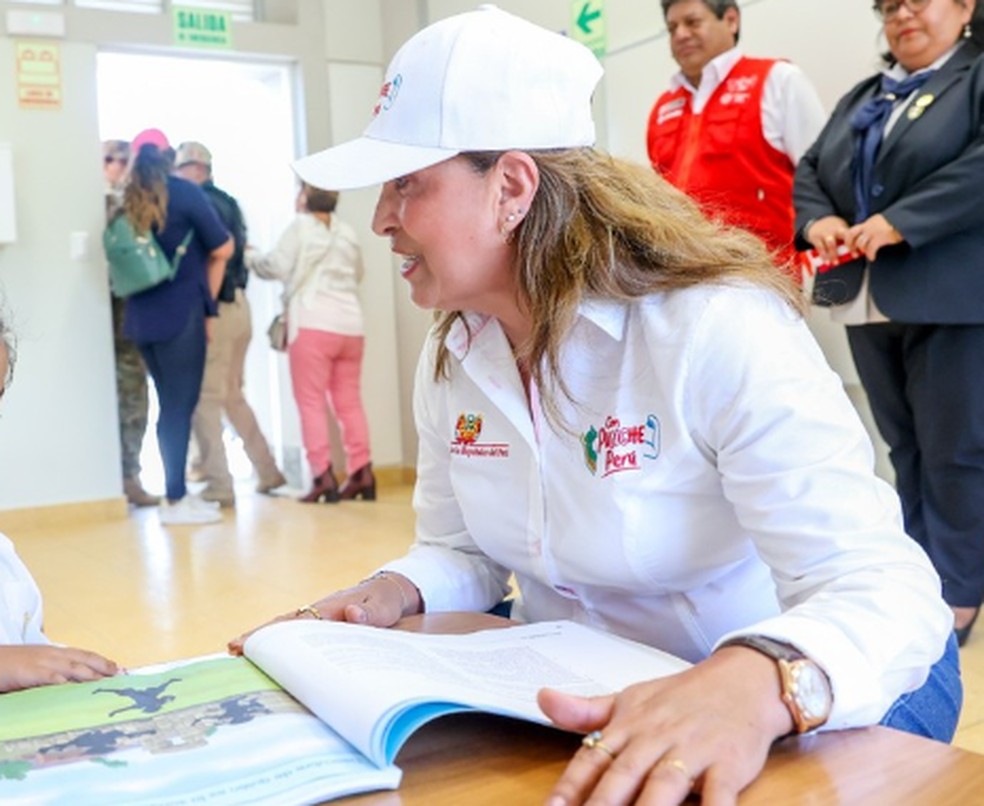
(244, 113)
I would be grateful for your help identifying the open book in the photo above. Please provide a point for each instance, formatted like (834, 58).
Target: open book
(217, 730)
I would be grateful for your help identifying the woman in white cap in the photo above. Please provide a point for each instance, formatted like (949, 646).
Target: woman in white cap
(621, 405)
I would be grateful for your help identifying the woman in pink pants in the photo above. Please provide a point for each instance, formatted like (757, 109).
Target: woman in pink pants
(319, 261)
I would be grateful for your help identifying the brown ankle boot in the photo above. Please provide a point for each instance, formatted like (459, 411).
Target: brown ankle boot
(360, 483)
(325, 488)
(137, 495)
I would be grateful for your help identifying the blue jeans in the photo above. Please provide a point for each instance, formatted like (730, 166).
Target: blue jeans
(932, 710)
(177, 367)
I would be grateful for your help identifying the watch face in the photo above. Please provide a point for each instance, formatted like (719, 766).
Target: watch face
(812, 691)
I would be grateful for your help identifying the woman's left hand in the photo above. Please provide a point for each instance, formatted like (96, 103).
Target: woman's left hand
(708, 728)
(869, 236)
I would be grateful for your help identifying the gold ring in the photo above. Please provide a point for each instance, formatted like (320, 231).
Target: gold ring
(310, 609)
(679, 766)
(593, 742)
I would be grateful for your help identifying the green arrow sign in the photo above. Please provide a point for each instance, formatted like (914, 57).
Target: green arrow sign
(588, 25)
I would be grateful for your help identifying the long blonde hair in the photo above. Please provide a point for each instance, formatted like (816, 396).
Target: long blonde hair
(601, 227)
(145, 195)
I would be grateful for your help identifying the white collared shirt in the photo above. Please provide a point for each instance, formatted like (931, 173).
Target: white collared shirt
(792, 114)
(714, 478)
(20, 600)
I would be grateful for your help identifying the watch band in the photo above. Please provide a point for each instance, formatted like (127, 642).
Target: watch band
(794, 667)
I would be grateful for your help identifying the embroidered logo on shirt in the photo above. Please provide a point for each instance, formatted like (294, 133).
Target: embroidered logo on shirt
(467, 430)
(738, 90)
(617, 448)
(669, 110)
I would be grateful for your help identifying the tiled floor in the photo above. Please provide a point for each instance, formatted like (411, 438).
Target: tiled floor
(143, 594)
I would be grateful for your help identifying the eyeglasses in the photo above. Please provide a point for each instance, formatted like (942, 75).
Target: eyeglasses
(887, 10)
(109, 159)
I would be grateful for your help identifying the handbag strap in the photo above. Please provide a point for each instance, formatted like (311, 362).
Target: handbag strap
(294, 288)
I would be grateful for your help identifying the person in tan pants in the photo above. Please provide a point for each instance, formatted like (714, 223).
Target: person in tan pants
(222, 386)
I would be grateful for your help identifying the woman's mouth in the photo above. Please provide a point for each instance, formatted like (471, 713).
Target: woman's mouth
(408, 265)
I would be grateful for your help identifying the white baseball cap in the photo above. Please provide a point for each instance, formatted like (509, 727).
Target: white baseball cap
(480, 81)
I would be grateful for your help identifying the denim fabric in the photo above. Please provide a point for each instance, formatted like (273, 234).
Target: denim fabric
(932, 710)
(177, 367)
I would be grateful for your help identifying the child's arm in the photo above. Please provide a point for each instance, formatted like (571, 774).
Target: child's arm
(30, 665)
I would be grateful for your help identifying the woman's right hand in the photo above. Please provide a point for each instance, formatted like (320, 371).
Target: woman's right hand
(379, 601)
(825, 234)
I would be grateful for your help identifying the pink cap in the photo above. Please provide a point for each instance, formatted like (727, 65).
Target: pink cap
(153, 137)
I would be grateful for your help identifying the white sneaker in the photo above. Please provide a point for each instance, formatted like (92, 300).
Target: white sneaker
(200, 502)
(190, 509)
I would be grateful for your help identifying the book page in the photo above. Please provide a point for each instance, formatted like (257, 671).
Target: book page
(360, 680)
(209, 730)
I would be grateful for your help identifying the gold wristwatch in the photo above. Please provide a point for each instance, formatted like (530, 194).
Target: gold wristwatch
(804, 685)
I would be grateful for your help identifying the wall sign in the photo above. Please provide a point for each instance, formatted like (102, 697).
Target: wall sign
(38, 75)
(202, 28)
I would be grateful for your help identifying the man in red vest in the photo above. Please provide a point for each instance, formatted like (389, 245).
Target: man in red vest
(731, 129)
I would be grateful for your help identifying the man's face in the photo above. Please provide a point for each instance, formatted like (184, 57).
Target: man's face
(193, 172)
(697, 35)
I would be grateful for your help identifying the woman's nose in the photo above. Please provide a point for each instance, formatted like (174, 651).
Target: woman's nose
(383, 219)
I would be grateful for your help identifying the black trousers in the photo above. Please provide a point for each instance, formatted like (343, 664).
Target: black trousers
(925, 384)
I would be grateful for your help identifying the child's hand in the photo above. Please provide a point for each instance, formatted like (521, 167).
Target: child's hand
(30, 665)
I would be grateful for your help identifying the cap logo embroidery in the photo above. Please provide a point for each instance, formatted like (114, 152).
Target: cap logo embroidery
(617, 449)
(387, 95)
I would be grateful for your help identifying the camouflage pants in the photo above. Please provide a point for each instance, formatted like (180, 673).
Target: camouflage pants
(131, 393)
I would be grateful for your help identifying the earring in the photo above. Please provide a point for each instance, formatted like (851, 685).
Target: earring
(505, 230)
(968, 31)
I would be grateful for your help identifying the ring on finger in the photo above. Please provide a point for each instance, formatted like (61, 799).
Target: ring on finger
(311, 610)
(593, 741)
(677, 765)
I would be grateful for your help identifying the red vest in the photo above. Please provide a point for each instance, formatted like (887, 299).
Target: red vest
(722, 159)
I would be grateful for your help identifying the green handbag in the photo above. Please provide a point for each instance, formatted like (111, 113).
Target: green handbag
(137, 262)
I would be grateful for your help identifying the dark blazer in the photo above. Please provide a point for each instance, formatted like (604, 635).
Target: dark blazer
(928, 181)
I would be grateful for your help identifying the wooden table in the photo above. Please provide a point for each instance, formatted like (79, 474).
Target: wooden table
(478, 759)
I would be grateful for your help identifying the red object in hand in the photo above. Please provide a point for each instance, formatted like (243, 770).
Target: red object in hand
(818, 265)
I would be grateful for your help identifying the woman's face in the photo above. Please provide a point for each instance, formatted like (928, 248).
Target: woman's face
(916, 40)
(444, 221)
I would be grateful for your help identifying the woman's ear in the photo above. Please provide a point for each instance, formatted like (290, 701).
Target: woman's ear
(519, 179)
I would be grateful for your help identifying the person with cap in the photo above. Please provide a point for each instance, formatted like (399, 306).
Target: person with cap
(225, 358)
(319, 261)
(131, 373)
(731, 128)
(168, 322)
(621, 408)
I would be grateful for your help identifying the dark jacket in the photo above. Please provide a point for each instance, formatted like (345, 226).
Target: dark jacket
(926, 182)
(230, 214)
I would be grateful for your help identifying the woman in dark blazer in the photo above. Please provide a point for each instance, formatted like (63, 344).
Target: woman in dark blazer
(894, 179)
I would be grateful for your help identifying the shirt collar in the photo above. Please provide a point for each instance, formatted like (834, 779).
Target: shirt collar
(607, 315)
(714, 72)
(898, 72)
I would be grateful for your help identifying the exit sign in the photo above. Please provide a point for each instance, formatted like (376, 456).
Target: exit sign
(202, 28)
